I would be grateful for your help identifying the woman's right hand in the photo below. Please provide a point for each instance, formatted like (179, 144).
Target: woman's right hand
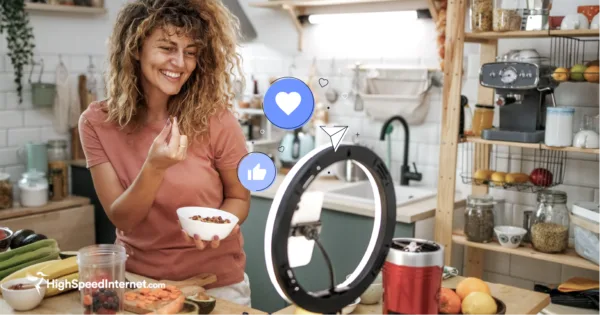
(163, 155)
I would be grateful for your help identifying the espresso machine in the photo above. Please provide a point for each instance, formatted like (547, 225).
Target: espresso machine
(523, 91)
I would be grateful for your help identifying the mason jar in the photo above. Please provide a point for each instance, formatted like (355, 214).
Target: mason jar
(6, 191)
(550, 226)
(482, 15)
(479, 218)
(33, 188)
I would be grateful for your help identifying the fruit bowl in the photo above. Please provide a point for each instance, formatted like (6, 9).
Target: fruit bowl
(501, 307)
(5, 237)
(509, 236)
(206, 230)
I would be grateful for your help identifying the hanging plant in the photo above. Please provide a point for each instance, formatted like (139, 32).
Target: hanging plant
(14, 22)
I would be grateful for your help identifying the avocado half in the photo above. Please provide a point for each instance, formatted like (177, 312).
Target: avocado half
(19, 236)
(189, 308)
(205, 304)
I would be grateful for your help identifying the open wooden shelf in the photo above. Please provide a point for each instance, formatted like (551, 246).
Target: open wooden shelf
(485, 36)
(530, 145)
(41, 7)
(570, 257)
(313, 3)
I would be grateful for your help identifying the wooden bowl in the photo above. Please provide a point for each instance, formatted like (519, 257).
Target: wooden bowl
(501, 306)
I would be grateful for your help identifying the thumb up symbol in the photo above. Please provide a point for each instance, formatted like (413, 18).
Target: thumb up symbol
(257, 173)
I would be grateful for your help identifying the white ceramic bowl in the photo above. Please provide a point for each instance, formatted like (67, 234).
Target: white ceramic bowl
(23, 300)
(510, 236)
(350, 308)
(374, 292)
(205, 230)
(595, 24)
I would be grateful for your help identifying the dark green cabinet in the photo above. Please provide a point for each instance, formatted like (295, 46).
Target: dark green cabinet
(344, 236)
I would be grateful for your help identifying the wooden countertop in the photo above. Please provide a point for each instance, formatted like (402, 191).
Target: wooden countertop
(69, 303)
(518, 301)
(410, 213)
(68, 202)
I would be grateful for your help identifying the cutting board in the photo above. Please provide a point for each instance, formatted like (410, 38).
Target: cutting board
(188, 287)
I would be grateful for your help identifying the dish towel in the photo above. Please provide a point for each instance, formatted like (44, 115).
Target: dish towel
(66, 102)
(579, 284)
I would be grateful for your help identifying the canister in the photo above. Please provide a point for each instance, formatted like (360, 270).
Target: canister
(412, 277)
(559, 126)
(6, 191)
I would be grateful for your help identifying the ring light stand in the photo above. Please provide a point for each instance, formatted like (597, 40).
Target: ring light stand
(293, 227)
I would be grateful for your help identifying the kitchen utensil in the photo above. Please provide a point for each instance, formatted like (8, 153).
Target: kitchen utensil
(527, 220)
(206, 230)
(349, 171)
(355, 93)
(412, 277)
(521, 91)
(295, 146)
(42, 93)
(510, 236)
(332, 94)
(23, 300)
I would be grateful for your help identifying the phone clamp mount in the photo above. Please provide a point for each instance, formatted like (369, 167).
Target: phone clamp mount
(294, 225)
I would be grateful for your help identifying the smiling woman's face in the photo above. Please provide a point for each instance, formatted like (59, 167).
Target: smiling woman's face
(167, 61)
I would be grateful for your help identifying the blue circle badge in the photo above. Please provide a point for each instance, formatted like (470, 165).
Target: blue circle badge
(289, 103)
(256, 171)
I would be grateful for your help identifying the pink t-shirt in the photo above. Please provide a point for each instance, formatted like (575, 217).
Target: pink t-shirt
(157, 248)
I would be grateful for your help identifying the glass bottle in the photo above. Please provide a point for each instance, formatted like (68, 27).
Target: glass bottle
(506, 16)
(479, 218)
(550, 228)
(57, 169)
(482, 12)
(483, 118)
(6, 191)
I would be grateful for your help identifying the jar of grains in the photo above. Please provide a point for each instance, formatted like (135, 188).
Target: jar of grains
(506, 16)
(550, 226)
(479, 218)
(6, 191)
(482, 12)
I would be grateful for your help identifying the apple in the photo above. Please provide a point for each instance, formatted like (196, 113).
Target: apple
(541, 177)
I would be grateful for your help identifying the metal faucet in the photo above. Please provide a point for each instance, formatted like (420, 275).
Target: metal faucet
(405, 174)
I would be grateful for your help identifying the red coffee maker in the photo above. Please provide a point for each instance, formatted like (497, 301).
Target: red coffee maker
(412, 277)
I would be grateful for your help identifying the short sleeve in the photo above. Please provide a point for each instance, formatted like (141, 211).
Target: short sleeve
(92, 148)
(227, 141)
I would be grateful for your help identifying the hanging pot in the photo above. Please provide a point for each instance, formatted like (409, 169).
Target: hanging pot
(42, 94)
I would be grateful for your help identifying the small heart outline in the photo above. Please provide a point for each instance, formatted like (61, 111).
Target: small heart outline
(323, 82)
(345, 95)
(280, 149)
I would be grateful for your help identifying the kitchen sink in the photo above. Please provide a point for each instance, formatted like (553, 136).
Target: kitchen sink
(362, 192)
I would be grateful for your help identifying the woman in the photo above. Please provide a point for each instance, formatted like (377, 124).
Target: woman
(171, 58)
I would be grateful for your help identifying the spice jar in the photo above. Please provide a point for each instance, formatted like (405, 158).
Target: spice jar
(33, 188)
(506, 16)
(550, 228)
(6, 191)
(483, 118)
(57, 169)
(102, 271)
(479, 218)
(482, 15)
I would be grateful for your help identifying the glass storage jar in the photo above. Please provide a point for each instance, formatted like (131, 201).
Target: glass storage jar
(482, 12)
(102, 278)
(57, 150)
(33, 188)
(483, 118)
(506, 16)
(550, 226)
(6, 191)
(479, 218)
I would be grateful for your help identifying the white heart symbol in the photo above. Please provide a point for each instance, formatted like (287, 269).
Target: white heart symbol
(288, 102)
(323, 82)
(345, 95)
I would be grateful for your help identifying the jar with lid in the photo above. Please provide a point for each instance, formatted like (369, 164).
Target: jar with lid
(550, 225)
(506, 16)
(479, 218)
(57, 150)
(482, 15)
(6, 191)
(102, 269)
(57, 169)
(559, 126)
(33, 188)
(483, 118)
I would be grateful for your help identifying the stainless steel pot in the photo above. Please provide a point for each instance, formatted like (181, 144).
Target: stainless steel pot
(349, 171)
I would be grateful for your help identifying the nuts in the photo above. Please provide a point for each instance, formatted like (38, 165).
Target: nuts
(6, 195)
(481, 15)
(549, 237)
(215, 219)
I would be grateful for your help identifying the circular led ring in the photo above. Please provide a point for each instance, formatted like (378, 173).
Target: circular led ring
(279, 226)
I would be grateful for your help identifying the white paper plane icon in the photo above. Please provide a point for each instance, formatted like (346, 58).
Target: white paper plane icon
(336, 134)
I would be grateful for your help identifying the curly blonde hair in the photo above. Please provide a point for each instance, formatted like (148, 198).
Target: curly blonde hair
(208, 89)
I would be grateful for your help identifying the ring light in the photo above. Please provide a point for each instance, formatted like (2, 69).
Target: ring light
(293, 227)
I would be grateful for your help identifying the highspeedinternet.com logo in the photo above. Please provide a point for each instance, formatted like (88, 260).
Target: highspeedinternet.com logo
(64, 284)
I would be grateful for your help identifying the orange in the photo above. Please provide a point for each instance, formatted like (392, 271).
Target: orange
(470, 285)
(591, 74)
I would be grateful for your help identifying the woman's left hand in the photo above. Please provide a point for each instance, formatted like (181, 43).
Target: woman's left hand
(214, 243)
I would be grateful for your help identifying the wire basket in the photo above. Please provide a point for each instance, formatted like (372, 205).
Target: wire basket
(511, 168)
(574, 59)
